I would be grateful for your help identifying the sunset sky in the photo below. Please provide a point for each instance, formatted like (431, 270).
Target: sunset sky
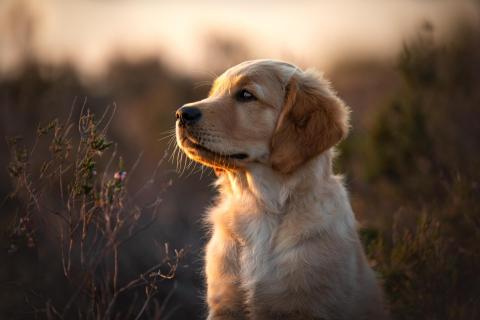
(308, 32)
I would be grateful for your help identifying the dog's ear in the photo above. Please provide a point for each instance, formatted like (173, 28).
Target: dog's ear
(313, 119)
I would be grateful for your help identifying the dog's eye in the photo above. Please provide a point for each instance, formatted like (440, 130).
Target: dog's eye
(244, 96)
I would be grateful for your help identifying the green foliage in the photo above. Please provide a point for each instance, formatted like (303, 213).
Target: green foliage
(400, 141)
(427, 131)
(422, 159)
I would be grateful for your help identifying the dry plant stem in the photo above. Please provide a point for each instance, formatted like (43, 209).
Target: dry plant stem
(97, 216)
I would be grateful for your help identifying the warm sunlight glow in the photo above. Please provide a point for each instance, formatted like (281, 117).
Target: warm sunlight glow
(90, 32)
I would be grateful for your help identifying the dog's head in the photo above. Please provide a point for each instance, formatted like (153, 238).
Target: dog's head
(262, 111)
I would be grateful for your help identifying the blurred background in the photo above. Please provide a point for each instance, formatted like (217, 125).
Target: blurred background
(409, 70)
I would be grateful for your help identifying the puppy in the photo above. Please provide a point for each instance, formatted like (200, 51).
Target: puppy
(284, 243)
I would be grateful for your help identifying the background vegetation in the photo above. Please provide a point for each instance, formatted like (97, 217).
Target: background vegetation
(420, 162)
(93, 210)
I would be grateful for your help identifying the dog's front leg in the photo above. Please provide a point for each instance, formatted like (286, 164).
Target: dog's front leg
(224, 293)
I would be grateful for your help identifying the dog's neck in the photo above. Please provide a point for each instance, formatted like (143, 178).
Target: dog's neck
(272, 189)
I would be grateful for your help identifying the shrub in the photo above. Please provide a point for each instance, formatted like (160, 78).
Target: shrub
(75, 210)
(422, 164)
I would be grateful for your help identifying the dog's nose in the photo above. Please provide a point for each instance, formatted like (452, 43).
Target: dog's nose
(188, 115)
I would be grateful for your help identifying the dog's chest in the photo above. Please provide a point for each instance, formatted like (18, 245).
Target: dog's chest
(255, 231)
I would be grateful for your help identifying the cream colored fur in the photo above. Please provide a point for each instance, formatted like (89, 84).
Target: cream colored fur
(284, 243)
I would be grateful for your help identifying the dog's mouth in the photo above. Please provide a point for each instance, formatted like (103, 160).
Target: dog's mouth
(200, 153)
(238, 156)
(192, 144)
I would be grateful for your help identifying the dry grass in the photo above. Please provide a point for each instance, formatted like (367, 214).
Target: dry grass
(78, 200)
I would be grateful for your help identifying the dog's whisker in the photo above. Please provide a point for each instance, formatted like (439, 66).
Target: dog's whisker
(184, 165)
(179, 159)
(171, 142)
(189, 168)
(182, 161)
(173, 156)
(168, 130)
(169, 136)
(192, 166)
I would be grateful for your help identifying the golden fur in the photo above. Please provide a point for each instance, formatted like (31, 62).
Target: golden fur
(284, 243)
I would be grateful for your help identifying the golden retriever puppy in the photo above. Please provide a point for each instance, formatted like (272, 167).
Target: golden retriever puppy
(284, 243)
